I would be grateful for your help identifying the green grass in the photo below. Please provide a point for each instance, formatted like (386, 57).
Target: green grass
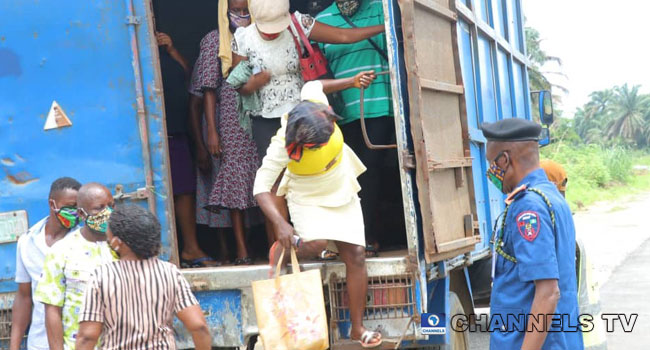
(599, 174)
(580, 197)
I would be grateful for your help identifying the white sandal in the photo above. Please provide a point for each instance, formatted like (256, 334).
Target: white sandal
(367, 337)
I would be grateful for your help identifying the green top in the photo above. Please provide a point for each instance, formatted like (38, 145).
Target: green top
(246, 105)
(346, 60)
(66, 271)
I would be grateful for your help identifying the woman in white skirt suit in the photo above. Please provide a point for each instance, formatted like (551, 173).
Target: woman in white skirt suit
(319, 182)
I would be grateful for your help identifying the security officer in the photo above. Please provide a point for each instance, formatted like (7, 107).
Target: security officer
(533, 268)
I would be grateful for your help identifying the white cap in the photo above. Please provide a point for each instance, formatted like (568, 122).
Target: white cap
(271, 16)
(313, 91)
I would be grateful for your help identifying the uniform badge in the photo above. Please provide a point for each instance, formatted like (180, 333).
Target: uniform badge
(528, 225)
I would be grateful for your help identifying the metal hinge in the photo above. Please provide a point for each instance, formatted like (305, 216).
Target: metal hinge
(408, 160)
(133, 20)
(140, 193)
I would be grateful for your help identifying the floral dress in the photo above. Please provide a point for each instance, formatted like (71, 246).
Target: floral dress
(232, 187)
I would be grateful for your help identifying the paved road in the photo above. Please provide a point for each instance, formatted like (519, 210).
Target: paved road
(617, 239)
(627, 292)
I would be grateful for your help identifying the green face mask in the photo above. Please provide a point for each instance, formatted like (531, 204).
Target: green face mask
(67, 216)
(99, 221)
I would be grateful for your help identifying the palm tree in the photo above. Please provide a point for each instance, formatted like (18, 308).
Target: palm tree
(538, 58)
(628, 112)
(600, 101)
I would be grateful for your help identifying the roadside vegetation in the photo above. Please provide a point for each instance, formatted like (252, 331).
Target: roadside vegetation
(605, 145)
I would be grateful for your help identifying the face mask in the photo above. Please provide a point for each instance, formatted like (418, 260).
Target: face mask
(67, 216)
(348, 7)
(237, 21)
(99, 221)
(496, 174)
(269, 37)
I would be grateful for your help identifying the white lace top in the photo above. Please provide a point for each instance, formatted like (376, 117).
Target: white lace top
(280, 58)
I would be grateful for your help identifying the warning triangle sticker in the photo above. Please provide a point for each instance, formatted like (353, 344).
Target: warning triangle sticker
(56, 118)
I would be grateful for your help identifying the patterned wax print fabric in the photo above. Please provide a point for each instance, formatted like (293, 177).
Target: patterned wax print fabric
(67, 269)
(233, 186)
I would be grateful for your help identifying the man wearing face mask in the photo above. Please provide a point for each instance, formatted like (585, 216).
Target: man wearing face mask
(30, 255)
(70, 263)
(534, 248)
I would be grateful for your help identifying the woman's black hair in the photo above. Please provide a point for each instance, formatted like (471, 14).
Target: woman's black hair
(138, 228)
(310, 123)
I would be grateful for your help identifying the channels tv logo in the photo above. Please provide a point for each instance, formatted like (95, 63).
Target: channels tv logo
(433, 324)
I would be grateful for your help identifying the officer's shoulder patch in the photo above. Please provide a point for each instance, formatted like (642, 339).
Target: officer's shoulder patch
(528, 224)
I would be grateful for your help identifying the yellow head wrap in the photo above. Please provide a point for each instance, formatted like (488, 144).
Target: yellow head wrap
(225, 38)
(316, 161)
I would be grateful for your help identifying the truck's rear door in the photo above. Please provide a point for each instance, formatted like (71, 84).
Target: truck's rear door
(80, 96)
(439, 128)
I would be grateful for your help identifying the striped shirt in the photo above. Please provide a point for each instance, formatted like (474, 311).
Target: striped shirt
(347, 60)
(136, 301)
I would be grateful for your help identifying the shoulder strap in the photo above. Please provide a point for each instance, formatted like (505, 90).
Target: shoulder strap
(499, 240)
(303, 38)
(375, 46)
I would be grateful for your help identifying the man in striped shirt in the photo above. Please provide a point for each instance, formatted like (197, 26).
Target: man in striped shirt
(131, 303)
(380, 183)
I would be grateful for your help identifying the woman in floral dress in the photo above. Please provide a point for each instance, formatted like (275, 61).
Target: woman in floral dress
(225, 138)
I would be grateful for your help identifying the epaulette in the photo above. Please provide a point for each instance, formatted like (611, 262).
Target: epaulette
(516, 194)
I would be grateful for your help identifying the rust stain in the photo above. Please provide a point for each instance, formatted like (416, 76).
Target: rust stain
(21, 179)
(7, 162)
(17, 156)
(35, 35)
(3, 38)
(10, 119)
(42, 116)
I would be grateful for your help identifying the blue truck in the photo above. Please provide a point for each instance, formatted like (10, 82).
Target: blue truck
(81, 95)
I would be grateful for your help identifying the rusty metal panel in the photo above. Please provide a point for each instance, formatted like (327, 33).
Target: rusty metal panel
(439, 127)
(81, 96)
(223, 312)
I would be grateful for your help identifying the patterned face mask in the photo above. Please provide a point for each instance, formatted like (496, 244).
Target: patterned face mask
(348, 7)
(237, 21)
(496, 174)
(99, 221)
(68, 216)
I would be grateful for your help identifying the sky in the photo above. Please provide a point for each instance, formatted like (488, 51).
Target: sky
(602, 43)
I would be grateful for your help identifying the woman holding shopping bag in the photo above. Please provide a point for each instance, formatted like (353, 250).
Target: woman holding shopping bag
(321, 189)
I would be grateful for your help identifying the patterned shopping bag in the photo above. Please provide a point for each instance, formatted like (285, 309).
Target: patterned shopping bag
(290, 309)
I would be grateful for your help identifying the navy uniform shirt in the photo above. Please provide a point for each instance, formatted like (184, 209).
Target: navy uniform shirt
(541, 253)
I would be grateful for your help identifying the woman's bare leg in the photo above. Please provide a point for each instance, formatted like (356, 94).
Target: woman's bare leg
(185, 208)
(356, 275)
(237, 218)
(223, 245)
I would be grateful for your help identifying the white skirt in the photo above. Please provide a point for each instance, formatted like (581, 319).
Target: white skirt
(343, 223)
